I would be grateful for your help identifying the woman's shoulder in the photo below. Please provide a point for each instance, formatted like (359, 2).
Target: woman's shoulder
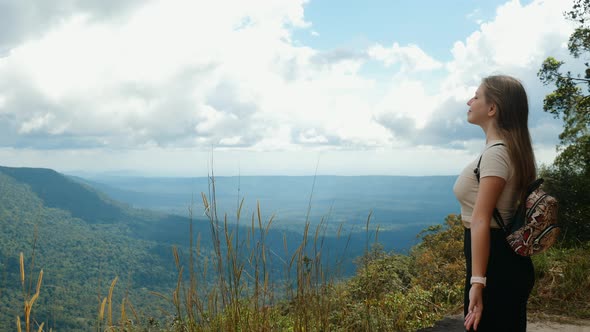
(495, 160)
(496, 148)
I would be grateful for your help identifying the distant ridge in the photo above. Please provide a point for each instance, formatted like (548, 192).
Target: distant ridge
(82, 201)
(394, 201)
(61, 192)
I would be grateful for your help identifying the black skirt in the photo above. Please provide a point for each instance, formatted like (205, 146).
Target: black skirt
(510, 279)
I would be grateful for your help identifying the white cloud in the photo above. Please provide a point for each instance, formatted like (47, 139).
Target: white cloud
(226, 74)
(411, 57)
(406, 99)
(36, 123)
(519, 37)
(158, 77)
(24, 21)
(149, 78)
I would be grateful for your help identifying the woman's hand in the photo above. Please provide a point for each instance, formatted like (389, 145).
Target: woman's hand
(475, 307)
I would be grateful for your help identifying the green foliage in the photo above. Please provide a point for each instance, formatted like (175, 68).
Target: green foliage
(368, 302)
(563, 283)
(439, 263)
(572, 189)
(396, 310)
(570, 100)
(567, 178)
(579, 41)
(78, 259)
(392, 292)
(414, 310)
(569, 103)
(379, 274)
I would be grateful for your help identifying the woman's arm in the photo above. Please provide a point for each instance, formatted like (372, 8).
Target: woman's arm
(490, 188)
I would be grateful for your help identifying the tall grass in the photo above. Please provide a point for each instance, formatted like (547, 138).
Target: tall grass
(243, 285)
(245, 294)
(108, 323)
(29, 300)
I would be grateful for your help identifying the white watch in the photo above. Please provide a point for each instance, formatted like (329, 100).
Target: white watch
(478, 280)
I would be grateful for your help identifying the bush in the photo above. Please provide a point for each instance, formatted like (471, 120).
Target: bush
(562, 284)
(438, 263)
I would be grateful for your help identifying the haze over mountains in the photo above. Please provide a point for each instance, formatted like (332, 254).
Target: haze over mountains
(85, 232)
(394, 201)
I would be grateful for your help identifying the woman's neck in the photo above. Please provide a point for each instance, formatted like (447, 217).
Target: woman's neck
(492, 133)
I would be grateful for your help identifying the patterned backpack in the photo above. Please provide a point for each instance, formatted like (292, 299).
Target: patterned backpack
(533, 228)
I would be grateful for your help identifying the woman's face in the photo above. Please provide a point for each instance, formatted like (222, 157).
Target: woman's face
(478, 108)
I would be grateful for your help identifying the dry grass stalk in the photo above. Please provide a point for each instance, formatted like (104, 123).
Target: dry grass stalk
(101, 312)
(110, 302)
(176, 257)
(22, 269)
(39, 282)
(123, 313)
(28, 302)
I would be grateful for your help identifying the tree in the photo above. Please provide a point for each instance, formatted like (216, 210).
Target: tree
(569, 177)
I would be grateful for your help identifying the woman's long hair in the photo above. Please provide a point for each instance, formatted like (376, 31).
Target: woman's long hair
(512, 121)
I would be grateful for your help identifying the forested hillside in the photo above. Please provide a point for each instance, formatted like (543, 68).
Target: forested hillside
(79, 257)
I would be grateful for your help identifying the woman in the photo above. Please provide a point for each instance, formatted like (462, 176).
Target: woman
(498, 281)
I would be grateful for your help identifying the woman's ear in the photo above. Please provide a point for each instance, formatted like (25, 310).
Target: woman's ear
(492, 110)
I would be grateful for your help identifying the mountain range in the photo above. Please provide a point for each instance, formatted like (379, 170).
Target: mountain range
(84, 232)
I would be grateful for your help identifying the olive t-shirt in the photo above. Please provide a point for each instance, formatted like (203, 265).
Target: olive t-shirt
(495, 162)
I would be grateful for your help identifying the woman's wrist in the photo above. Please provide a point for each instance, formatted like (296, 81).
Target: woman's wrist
(478, 281)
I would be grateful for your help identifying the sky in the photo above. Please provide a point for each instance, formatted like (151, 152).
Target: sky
(265, 87)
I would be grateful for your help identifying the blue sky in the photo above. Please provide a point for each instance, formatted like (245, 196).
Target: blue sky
(433, 25)
(264, 87)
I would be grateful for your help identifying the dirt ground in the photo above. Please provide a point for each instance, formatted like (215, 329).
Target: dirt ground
(455, 323)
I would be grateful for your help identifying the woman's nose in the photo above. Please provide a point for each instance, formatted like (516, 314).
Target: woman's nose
(469, 102)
